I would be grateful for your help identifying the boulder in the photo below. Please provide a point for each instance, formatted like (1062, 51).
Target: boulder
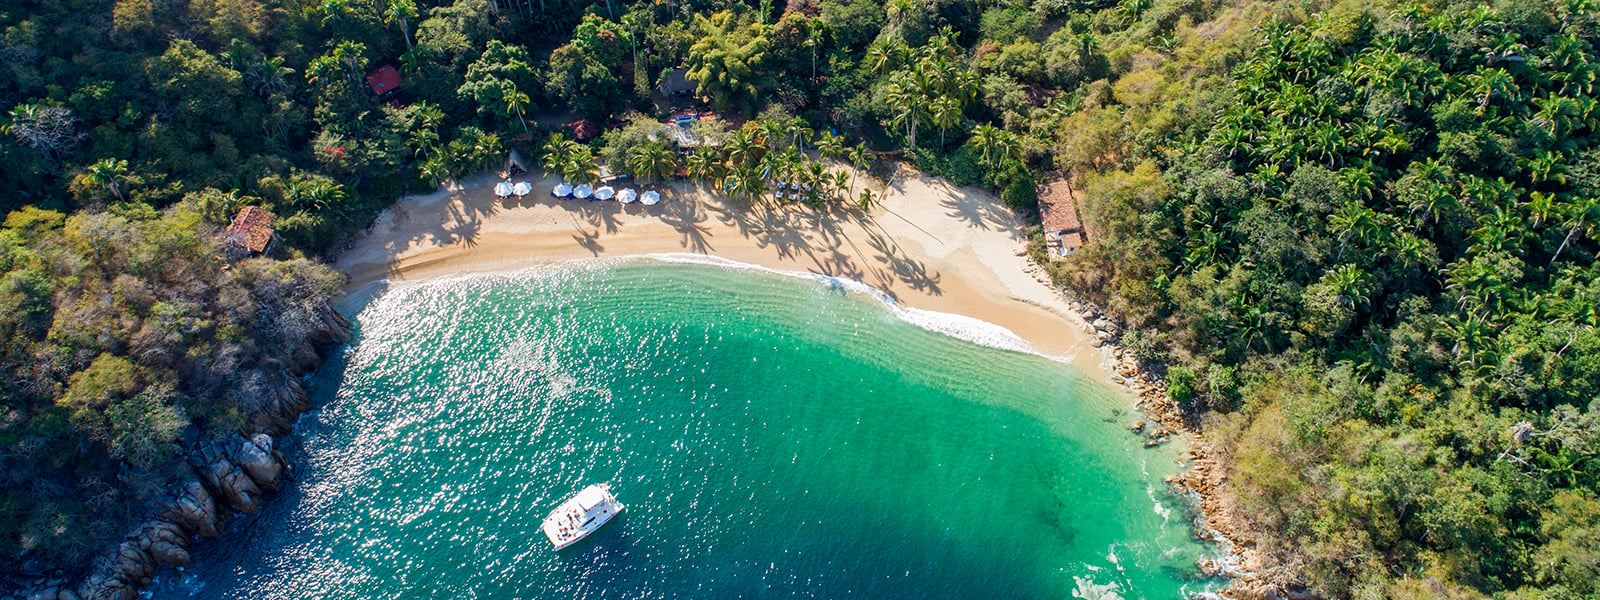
(168, 554)
(131, 562)
(166, 544)
(238, 489)
(105, 586)
(256, 457)
(194, 511)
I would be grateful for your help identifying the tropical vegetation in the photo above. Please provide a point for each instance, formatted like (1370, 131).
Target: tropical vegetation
(1358, 239)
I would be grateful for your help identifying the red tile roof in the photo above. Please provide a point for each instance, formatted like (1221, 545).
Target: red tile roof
(251, 229)
(1058, 211)
(384, 80)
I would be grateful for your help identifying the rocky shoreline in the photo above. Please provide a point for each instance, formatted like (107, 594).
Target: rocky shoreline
(1164, 418)
(228, 473)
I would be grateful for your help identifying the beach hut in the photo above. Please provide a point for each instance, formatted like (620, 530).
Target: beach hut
(583, 190)
(1058, 212)
(521, 188)
(515, 164)
(627, 196)
(562, 190)
(605, 192)
(502, 189)
(649, 198)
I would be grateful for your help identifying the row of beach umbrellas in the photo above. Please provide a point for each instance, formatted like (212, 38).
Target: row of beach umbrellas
(605, 192)
(506, 188)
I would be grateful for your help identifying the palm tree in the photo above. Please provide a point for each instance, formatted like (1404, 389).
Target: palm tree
(906, 102)
(815, 174)
(746, 181)
(580, 167)
(1541, 207)
(1353, 220)
(830, 144)
(705, 164)
(351, 57)
(105, 172)
(435, 169)
(315, 192)
(400, 11)
(837, 180)
(743, 149)
(866, 200)
(425, 135)
(487, 150)
(1580, 215)
(786, 163)
(945, 112)
(268, 75)
(1350, 284)
(987, 139)
(858, 159)
(557, 153)
(883, 56)
(798, 133)
(515, 100)
(652, 161)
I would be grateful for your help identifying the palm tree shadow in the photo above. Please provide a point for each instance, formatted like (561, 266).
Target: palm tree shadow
(589, 241)
(687, 219)
(601, 213)
(913, 273)
(780, 232)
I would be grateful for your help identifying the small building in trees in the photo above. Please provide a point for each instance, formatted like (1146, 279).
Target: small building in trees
(384, 81)
(676, 83)
(1058, 212)
(584, 130)
(251, 233)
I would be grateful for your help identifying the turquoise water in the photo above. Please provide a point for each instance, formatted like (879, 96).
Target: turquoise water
(771, 436)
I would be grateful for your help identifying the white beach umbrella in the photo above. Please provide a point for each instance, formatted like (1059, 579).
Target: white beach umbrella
(522, 188)
(649, 198)
(605, 192)
(627, 195)
(562, 190)
(502, 189)
(583, 190)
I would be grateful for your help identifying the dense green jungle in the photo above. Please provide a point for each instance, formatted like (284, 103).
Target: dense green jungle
(1358, 240)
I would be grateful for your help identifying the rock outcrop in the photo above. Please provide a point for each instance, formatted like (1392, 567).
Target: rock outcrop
(230, 473)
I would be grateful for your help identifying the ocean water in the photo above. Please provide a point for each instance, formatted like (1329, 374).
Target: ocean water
(771, 436)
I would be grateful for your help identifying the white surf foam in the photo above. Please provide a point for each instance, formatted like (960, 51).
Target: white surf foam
(957, 326)
(1087, 589)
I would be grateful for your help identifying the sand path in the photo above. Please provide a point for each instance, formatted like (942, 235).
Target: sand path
(928, 244)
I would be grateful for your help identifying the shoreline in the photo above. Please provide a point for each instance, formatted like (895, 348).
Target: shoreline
(926, 245)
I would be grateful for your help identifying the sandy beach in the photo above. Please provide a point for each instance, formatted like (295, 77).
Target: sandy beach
(928, 244)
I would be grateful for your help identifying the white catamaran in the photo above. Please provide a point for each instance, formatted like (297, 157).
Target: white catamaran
(580, 515)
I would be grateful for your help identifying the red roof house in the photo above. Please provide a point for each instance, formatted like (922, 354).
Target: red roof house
(384, 81)
(251, 230)
(1058, 211)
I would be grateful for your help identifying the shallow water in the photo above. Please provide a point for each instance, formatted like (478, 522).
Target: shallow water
(771, 436)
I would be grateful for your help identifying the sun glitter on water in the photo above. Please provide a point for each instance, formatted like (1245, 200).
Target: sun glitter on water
(771, 436)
